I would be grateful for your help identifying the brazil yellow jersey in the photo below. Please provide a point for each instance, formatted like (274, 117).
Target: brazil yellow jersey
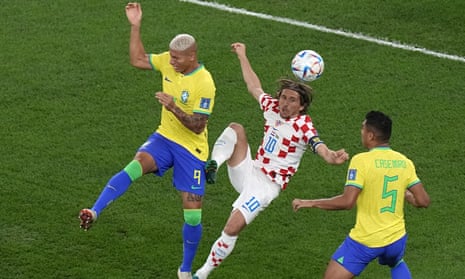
(383, 175)
(192, 93)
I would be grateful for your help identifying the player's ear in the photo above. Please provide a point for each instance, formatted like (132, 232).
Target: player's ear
(371, 135)
(192, 56)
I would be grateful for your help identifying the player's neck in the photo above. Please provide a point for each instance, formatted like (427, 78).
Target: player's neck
(192, 68)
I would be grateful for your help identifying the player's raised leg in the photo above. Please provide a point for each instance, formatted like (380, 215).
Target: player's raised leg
(116, 186)
(230, 146)
(222, 151)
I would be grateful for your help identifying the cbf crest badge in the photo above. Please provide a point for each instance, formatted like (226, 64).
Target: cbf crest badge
(184, 96)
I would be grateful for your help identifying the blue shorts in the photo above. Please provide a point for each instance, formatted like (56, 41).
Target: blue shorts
(355, 256)
(188, 170)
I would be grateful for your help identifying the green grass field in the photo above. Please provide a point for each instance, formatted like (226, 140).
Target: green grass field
(73, 113)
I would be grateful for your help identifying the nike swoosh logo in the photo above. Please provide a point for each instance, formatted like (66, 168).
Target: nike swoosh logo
(193, 187)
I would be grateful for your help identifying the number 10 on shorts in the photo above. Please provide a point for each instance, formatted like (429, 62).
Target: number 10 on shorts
(252, 204)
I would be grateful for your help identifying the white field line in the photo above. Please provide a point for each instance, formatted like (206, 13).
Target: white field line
(320, 28)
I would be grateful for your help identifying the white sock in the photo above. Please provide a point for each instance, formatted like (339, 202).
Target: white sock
(222, 248)
(224, 146)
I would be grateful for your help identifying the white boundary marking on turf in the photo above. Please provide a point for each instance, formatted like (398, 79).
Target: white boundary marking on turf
(326, 29)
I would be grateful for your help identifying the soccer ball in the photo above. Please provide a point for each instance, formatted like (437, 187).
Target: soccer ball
(307, 65)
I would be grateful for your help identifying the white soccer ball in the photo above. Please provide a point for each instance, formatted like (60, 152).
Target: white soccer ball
(307, 65)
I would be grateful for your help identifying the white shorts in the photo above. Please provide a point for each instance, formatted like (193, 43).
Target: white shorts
(256, 190)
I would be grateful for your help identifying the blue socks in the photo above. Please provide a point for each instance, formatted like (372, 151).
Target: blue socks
(120, 183)
(115, 187)
(401, 271)
(191, 236)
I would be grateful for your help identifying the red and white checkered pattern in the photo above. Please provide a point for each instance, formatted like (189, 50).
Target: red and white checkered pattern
(284, 142)
(221, 251)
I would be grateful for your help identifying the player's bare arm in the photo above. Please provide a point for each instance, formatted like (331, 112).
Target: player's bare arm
(345, 201)
(330, 156)
(254, 85)
(195, 122)
(417, 196)
(137, 55)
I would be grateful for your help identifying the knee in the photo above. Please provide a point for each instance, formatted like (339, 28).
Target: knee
(146, 161)
(239, 129)
(236, 126)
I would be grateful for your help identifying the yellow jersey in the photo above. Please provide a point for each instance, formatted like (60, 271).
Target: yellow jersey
(383, 175)
(192, 93)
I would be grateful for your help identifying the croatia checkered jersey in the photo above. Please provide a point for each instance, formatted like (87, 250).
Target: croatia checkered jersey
(284, 142)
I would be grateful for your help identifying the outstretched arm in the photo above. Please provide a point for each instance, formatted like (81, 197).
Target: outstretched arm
(345, 201)
(137, 55)
(250, 77)
(330, 156)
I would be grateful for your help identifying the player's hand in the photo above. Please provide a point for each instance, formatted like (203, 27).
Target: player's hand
(238, 48)
(299, 203)
(410, 198)
(296, 203)
(134, 13)
(166, 100)
(340, 156)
